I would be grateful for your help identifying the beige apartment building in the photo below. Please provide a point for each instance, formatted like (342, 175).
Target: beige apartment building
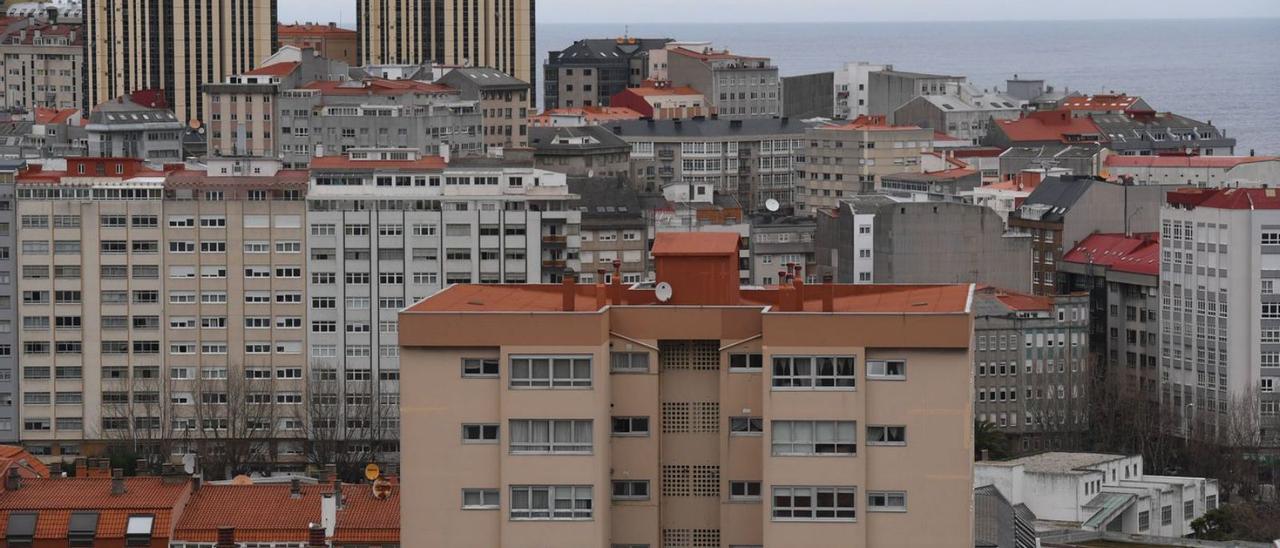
(173, 45)
(40, 66)
(163, 309)
(497, 34)
(847, 159)
(626, 415)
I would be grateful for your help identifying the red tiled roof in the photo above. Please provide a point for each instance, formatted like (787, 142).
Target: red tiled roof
(868, 123)
(269, 513)
(275, 69)
(426, 163)
(1048, 125)
(1184, 161)
(303, 29)
(653, 91)
(53, 116)
(592, 114)
(711, 54)
(695, 243)
(1226, 198)
(55, 499)
(376, 86)
(1138, 254)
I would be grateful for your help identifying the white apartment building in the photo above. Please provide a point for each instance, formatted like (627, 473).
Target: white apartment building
(1220, 311)
(851, 83)
(388, 228)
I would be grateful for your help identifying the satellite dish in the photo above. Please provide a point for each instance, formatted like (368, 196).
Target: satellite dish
(663, 291)
(772, 205)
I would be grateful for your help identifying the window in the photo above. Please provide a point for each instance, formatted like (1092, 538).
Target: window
(804, 438)
(886, 435)
(630, 426)
(479, 433)
(746, 426)
(551, 372)
(887, 369)
(1144, 520)
(630, 489)
(138, 530)
(21, 529)
(479, 499)
(744, 490)
(550, 502)
(887, 501)
(813, 503)
(550, 436)
(1166, 515)
(479, 367)
(746, 362)
(817, 372)
(629, 362)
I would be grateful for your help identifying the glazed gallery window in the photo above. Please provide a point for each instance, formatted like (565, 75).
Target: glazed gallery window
(551, 372)
(814, 503)
(813, 372)
(543, 436)
(550, 502)
(806, 438)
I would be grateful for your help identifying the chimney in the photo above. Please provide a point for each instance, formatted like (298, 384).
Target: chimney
(295, 489)
(799, 294)
(615, 289)
(986, 455)
(568, 292)
(601, 299)
(82, 467)
(140, 467)
(328, 513)
(330, 472)
(444, 152)
(828, 294)
(226, 537)
(337, 493)
(315, 535)
(13, 481)
(117, 482)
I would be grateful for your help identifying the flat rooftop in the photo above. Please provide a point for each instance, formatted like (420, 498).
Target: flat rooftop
(1058, 462)
(847, 298)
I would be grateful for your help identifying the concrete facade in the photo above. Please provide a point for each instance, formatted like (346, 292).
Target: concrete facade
(889, 89)
(10, 376)
(737, 86)
(679, 433)
(809, 95)
(175, 46)
(40, 65)
(1032, 366)
(591, 71)
(1220, 258)
(852, 89)
(777, 242)
(615, 227)
(963, 111)
(127, 128)
(850, 158)
(329, 40)
(503, 104)
(588, 151)
(753, 160)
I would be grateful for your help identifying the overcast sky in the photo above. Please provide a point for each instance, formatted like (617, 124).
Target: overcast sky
(707, 11)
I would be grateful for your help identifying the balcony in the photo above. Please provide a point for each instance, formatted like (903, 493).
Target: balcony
(666, 153)
(558, 264)
(666, 172)
(554, 239)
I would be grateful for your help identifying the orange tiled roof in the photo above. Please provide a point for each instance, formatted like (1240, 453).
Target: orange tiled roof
(868, 123)
(269, 513)
(651, 91)
(56, 498)
(303, 29)
(593, 115)
(695, 243)
(54, 116)
(28, 465)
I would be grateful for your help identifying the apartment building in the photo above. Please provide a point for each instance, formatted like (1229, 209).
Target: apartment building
(591, 71)
(40, 65)
(9, 374)
(498, 34)
(697, 207)
(737, 86)
(137, 125)
(849, 158)
(611, 415)
(1193, 170)
(331, 117)
(503, 103)
(662, 101)
(235, 312)
(753, 159)
(1220, 349)
(91, 335)
(242, 112)
(162, 309)
(329, 40)
(388, 228)
(1031, 364)
(1121, 273)
(587, 151)
(852, 88)
(779, 242)
(615, 227)
(172, 45)
(962, 111)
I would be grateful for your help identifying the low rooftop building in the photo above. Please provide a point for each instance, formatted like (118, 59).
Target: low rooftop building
(1100, 492)
(663, 101)
(1193, 170)
(584, 116)
(586, 151)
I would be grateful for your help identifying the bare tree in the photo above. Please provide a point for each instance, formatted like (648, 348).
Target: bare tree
(138, 421)
(347, 424)
(235, 423)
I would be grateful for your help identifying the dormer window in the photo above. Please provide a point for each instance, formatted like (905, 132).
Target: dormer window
(21, 529)
(82, 528)
(138, 530)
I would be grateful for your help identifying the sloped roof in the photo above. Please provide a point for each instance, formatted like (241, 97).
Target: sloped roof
(1138, 254)
(275, 69)
(28, 466)
(1185, 161)
(1048, 125)
(543, 139)
(376, 86)
(269, 513)
(1226, 198)
(695, 243)
(487, 78)
(1060, 194)
(55, 499)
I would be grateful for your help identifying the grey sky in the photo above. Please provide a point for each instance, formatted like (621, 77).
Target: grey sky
(705, 11)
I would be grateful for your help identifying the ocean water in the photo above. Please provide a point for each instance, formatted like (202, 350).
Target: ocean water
(1226, 71)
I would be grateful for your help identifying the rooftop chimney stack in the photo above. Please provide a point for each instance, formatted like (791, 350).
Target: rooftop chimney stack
(601, 298)
(616, 287)
(828, 294)
(226, 537)
(315, 535)
(13, 481)
(295, 489)
(117, 482)
(568, 293)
